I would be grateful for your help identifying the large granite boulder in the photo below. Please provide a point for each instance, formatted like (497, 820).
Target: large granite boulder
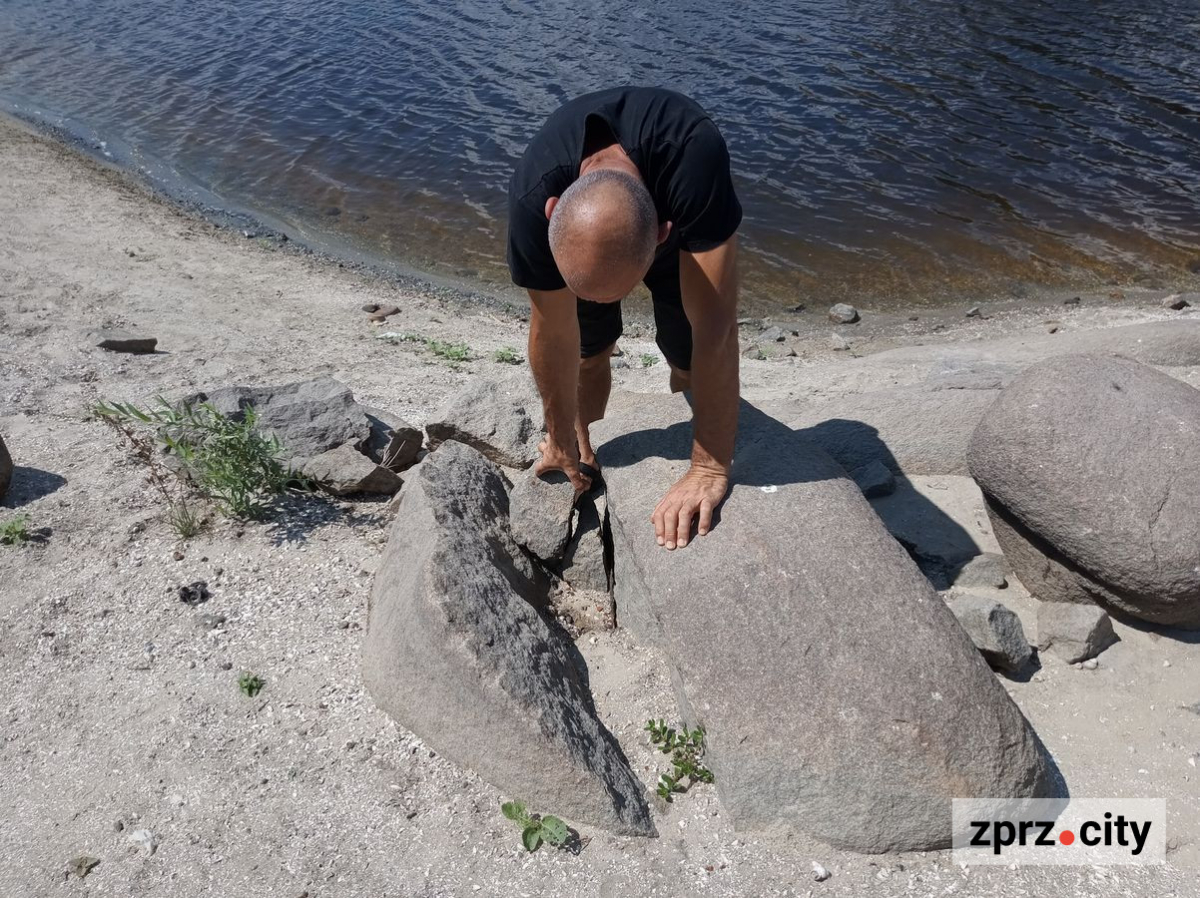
(456, 652)
(837, 691)
(910, 430)
(1089, 470)
(990, 364)
(501, 418)
(6, 468)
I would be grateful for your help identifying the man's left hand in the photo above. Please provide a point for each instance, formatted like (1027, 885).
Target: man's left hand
(692, 499)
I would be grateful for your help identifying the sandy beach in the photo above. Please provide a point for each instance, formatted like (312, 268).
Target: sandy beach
(122, 711)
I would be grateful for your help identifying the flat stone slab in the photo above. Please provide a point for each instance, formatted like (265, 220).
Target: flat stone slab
(123, 341)
(345, 471)
(1088, 464)
(909, 430)
(456, 652)
(838, 693)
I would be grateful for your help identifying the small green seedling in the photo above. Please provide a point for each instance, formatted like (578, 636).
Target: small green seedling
(251, 684)
(451, 352)
(686, 748)
(15, 531)
(649, 360)
(508, 356)
(536, 829)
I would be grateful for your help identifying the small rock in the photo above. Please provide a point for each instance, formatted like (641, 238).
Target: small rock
(838, 343)
(1073, 301)
(345, 471)
(820, 874)
(123, 341)
(995, 630)
(1074, 632)
(145, 840)
(874, 479)
(540, 509)
(118, 825)
(974, 312)
(842, 313)
(177, 555)
(798, 307)
(209, 621)
(226, 665)
(1091, 664)
(914, 317)
(382, 313)
(370, 308)
(1177, 301)
(753, 351)
(988, 570)
(83, 865)
(1052, 329)
(773, 335)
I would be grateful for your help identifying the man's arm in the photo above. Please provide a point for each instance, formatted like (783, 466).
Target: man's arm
(554, 358)
(708, 281)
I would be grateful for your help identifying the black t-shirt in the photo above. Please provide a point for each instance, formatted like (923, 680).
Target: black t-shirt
(676, 147)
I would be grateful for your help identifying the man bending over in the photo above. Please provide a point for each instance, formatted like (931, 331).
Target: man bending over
(620, 186)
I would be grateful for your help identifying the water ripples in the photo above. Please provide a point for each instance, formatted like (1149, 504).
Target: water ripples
(899, 149)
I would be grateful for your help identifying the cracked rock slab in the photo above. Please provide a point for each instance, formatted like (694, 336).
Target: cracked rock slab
(837, 692)
(500, 418)
(456, 652)
(1088, 467)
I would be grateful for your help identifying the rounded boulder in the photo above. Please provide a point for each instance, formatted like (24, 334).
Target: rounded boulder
(1087, 465)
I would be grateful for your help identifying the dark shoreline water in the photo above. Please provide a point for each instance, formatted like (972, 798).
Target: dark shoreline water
(887, 151)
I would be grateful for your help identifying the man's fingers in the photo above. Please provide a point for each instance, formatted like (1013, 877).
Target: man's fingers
(684, 533)
(670, 521)
(657, 519)
(581, 481)
(706, 510)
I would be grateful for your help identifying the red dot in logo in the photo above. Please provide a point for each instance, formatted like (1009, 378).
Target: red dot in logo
(1066, 837)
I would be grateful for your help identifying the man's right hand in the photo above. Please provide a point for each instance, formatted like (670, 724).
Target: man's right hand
(565, 459)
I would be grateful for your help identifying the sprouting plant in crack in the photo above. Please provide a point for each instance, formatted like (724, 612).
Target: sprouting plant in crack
(686, 748)
(536, 829)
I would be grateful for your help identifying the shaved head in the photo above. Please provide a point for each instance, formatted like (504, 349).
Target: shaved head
(603, 234)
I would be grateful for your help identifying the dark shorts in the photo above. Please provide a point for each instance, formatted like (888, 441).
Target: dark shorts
(600, 323)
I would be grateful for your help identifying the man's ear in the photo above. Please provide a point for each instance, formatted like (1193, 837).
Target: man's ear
(550, 204)
(664, 230)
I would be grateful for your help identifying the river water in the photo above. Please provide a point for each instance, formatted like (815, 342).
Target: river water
(885, 150)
